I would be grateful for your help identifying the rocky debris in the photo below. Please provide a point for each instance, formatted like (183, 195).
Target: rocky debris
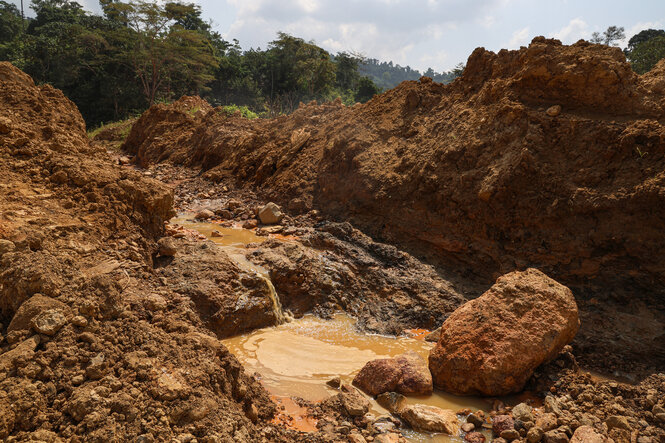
(270, 214)
(167, 247)
(406, 374)
(430, 419)
(492, 344)
(501, 423)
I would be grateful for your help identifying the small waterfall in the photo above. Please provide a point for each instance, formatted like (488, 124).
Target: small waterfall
(280, 316)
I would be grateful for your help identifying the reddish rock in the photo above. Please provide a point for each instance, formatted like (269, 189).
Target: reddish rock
(586, 434)
(491, 345)
(407, 374)
(502, 423)
(474, 437)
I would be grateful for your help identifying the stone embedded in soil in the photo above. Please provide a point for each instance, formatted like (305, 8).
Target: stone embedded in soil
(167, 247)
(270, 214)
(534, 435)
(431, 419)
(406, 374)
(31, 308)
(49, 322)
(492, 345)
(555, 436)
(553, 111)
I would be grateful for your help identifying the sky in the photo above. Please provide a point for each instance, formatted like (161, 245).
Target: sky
(422, 33)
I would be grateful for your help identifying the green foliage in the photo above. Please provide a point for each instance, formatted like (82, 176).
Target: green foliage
(610, 37)
(647, 54)
(642, 37)
(366, 90)
(387, 75)
(243, 110)
(141, 52)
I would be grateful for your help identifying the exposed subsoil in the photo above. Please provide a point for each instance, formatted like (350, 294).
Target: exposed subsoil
(398, 211)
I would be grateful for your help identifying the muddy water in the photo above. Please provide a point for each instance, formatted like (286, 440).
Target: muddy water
(297, 358)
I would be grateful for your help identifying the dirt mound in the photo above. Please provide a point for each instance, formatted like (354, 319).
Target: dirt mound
(96, 344)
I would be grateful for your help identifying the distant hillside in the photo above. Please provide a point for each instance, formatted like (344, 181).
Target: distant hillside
(387, 75)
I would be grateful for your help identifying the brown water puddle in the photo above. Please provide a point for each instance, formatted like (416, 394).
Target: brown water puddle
(298, 358)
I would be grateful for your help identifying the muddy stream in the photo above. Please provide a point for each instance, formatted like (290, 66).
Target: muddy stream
(298, 357)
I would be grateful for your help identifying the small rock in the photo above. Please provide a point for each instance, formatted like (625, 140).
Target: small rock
(660, 417)
(553, 111)
(250, 224)
(468, 427)
(270, 214)
(502, 423)
(390, 437)
(49, 322)
(25, 351)
(167, 247)
(80, 321)
(523, 412)
(434, 336)
(95, 370)
(353, 401)
(430, 419)
(618, 421)
(476, 420)
(334, 382)
(354, 437)
(547, 421)
(204, 214)
(586, 434)
(233, 204)
(392, 401)
(510, 434)
(216, 233)
(534, 435)
(475, 437)
(224, 214)
(555, 436)
(124, 160)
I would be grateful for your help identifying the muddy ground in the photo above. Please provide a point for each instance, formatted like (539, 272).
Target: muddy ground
(111, 321)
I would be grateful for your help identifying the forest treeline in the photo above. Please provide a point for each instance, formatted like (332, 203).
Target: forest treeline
(141, 52)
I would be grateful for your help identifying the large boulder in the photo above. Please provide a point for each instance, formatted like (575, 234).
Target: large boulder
(406, 374)
(491, 345)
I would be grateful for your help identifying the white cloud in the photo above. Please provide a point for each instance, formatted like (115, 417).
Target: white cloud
(519, 38)
(575, 30)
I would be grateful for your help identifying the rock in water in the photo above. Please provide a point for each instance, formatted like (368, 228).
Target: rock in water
(407, 374)
(430, 419)
(204, 214)
(491, 345)
(270, 214)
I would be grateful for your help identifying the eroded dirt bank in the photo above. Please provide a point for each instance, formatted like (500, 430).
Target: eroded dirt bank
(548, 157)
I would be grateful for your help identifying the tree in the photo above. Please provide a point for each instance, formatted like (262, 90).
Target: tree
(161, 51)
(645, 55)
(366, 90)
(11, 23)
(610, 37)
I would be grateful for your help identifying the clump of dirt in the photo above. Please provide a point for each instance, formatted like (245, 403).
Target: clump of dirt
(550, 156)
(97, 343)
